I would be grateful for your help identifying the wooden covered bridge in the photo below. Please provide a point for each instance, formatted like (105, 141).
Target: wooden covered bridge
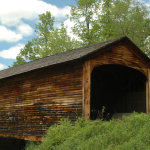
(35, 95)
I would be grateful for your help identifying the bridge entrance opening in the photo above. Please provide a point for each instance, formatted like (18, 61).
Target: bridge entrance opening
(116, 89)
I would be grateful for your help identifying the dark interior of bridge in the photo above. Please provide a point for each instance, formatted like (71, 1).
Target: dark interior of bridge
(117, 89)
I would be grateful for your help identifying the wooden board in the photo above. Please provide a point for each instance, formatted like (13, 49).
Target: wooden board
(148, 92)
(87, 80)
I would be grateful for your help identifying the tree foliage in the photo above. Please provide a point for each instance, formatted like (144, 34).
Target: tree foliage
(83, 16)
(97, 21)
(125, 18)
(49, 41)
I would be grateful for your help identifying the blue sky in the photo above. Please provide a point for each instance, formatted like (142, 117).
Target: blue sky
(17, 23)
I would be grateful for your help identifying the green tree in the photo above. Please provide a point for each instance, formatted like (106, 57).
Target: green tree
(62, 41)
(97, 21)
(49, 41)
(83, 16)
(125, 18)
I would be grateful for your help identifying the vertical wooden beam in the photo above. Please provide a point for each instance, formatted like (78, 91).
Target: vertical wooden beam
(147, 96)
(148, 92)
(83, 90)
(86, 89)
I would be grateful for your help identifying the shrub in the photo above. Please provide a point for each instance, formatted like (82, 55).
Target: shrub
(132, 132)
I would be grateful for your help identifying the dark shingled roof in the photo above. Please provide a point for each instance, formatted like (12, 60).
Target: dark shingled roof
(57, 58)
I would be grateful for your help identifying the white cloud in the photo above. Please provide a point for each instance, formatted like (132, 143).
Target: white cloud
(12, 52)
(2, 67)
(25, 29)
(9, 35)
(70, 24)
(148, 4)
(12, 12)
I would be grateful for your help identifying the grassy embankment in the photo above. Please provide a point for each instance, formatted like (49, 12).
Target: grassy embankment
(130, 133)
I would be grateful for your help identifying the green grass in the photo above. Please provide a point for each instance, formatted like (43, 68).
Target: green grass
(130, 133)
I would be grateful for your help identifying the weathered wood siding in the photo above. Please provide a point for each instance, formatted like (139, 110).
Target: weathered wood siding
(120, 55)
(31, 102)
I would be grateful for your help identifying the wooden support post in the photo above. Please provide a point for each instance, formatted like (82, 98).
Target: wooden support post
(147, 96)
(148, 93)
(86, 89)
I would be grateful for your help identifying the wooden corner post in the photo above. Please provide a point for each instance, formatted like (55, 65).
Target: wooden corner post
(148, 93)
(147, 96)
(86, 89)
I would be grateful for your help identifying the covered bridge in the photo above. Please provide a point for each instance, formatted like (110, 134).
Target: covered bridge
(79, 82)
